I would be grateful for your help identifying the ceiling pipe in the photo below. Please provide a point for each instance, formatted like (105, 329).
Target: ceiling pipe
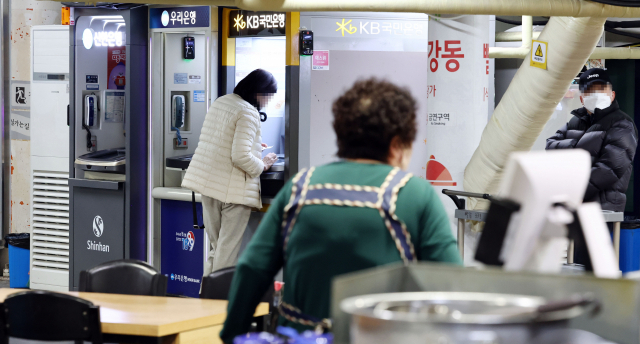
(623, 53)
(530, 100)
(545, 8)
(513, 36)
(527, 30)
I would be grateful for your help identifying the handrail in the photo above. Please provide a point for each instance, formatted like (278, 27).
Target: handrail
(465, 194)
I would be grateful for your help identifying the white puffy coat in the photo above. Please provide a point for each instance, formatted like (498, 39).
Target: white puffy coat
(228, 160)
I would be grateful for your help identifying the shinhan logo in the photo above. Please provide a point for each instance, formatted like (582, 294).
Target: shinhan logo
(98, 226)
(188, 242)
(593, 76)
(173, 277)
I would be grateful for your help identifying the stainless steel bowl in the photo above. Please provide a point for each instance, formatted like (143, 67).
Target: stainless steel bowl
(456, 317)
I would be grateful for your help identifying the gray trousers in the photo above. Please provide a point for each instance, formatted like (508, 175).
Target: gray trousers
(225, 224)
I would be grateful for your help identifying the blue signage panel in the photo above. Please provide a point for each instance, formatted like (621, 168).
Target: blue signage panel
(173, 17)
(182, 248)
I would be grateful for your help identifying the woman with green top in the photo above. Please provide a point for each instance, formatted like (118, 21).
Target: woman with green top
(362, 212)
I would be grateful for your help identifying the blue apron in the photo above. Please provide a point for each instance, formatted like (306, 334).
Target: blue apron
(381, 198)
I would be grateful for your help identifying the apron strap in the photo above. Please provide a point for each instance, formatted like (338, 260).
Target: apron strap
(383, 198)
(387, 198)
(291, 211)
(295, 315)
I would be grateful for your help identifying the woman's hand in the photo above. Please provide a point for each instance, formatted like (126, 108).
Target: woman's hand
(264, 145)
(269, 160)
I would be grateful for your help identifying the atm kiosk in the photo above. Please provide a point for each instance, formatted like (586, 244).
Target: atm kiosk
(180, 79)
(108, 131)
(180, 249)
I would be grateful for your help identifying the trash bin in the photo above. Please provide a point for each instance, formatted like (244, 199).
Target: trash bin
(18, 244)
(629, 245)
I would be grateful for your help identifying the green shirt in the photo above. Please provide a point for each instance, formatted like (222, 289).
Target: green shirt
(328, 241)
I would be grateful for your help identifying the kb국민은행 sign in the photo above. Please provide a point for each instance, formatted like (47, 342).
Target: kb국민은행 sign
(256, 24)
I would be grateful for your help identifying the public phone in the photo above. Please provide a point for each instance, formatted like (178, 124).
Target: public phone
(90, 110)
(306, 42)
(178, 111)
(91, 117)
(189, 48)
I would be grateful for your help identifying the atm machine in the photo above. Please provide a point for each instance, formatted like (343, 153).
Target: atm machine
(181, 249)
(108, 130)
(180, 79)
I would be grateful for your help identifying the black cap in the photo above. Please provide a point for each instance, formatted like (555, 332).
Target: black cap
(592, 76)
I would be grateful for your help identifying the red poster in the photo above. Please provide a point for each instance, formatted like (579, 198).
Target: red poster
(116, 68)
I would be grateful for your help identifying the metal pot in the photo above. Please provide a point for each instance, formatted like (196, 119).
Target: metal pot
(457, 317)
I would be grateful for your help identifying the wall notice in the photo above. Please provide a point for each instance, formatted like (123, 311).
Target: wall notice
(320, 60)
(198, 96)
(180, 78)
(20, 110)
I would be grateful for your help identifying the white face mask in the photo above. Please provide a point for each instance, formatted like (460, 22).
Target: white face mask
(596, 101)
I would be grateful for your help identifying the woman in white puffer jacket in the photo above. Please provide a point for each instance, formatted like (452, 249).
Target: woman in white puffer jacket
(227, 164)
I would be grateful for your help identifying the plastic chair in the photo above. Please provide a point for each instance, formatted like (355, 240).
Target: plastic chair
(47, 316)
(216, 286)
(131, 277)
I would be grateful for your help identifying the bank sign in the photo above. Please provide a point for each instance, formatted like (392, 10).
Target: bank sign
(256, 24)
(179, 17)
(369, 28)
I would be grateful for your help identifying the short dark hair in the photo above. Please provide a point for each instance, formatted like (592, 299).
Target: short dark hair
(369, 115)
(258, 81)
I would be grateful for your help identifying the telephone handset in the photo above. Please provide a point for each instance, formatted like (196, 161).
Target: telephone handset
(178, 110)
(90, 110)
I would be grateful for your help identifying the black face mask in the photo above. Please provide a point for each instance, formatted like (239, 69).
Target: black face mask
(263, 117)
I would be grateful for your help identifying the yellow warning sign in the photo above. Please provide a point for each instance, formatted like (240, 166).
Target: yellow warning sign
(539, 54)
(539, 51)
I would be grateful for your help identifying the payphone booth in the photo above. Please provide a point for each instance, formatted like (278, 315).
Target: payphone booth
(108, 127)
(180, 79)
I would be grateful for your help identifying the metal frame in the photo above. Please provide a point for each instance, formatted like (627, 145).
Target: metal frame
(6, 119)
(481, 216)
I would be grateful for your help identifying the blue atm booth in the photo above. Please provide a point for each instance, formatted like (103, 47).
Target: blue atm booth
(183, 248)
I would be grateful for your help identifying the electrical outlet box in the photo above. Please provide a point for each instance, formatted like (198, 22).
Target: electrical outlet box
(180, 144)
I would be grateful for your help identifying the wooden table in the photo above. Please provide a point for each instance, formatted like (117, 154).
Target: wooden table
(155, 319)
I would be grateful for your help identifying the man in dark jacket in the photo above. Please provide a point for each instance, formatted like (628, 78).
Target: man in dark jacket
(608, 134)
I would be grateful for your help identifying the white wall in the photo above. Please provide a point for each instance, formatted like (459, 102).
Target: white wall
(24, 14)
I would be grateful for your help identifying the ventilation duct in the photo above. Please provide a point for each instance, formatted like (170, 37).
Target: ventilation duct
(546, 8)
(530, 100)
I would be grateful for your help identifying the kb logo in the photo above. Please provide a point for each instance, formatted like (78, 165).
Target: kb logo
(98, 226)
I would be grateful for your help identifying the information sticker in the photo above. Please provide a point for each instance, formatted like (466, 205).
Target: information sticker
(198, 96)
